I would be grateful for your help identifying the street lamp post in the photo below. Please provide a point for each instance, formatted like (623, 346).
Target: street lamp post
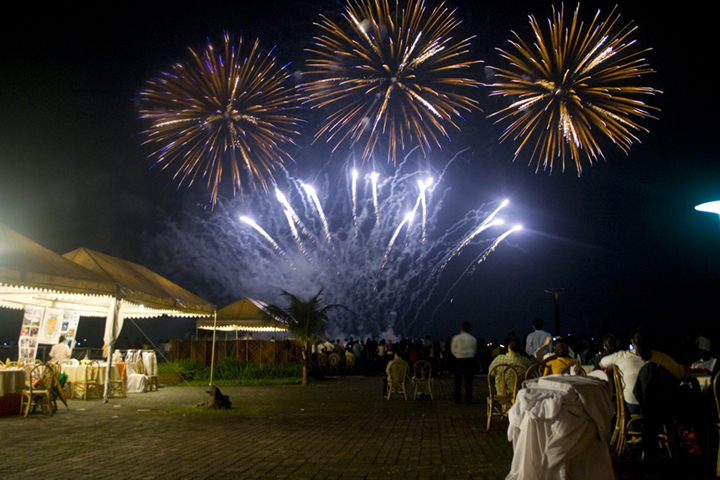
(556, 292)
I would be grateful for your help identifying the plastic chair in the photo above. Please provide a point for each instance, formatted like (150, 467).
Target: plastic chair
(422, 378)
(503, 385)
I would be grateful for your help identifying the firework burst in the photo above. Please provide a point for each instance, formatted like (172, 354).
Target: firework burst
(389, 265)
(570, 86)
(218, 110)
(390, 74)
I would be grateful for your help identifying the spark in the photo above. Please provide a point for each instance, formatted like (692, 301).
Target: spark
(261, 231)
(391, 74)
(316, 201)
(571, 88)
(221, 110)
(367, 268)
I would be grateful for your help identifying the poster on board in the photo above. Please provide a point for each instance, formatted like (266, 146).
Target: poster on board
(69, 326)
(29, 333)
(50, 327)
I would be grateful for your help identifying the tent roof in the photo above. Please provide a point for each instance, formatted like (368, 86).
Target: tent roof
(32, 274)
(246, 314)
(140, 285)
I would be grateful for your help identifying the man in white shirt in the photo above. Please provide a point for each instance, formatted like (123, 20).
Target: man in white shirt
(463, 348)
(60, 352)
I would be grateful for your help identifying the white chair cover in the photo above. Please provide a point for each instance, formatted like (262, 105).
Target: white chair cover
(136, 382)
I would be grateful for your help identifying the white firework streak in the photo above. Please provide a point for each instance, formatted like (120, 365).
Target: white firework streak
(262, 232)
(383, 282)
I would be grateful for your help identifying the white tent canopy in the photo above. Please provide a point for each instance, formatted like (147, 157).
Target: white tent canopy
(245, 315)
(89, 282)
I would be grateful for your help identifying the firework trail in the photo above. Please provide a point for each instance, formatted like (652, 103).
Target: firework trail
(384, 282)
(219, 110)
(389, 73)
(572, 86)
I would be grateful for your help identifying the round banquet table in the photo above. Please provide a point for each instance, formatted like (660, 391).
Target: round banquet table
(12, 383)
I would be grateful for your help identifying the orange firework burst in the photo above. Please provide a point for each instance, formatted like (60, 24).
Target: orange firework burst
(571, 85)
(390, 74)
(221, 109)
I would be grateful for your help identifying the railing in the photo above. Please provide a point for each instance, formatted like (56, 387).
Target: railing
(256, 351)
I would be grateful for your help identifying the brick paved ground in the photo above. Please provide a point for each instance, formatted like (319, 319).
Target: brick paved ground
(339, 429)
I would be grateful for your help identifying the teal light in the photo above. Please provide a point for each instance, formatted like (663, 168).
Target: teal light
(710, 207)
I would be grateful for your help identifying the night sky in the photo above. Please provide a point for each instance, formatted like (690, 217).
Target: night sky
(623, 239)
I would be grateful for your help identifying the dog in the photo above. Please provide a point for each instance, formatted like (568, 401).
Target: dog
(217, 399)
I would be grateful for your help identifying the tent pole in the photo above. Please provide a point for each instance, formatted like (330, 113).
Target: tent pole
(113, 334)
(212, 354)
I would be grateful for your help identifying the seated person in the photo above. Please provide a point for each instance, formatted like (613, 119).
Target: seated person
(561, 361)
(609, 347)
(513, 358)
(397, 360)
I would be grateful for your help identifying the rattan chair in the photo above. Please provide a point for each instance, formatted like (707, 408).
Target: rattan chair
(716, 426)
(535, 370)
(334, 360)
(396, 380)
(422, 379)
(503, 385)
(624, 420)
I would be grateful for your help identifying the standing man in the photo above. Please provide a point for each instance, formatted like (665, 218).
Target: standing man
(463, 348)
(60, 352)
(536, 340)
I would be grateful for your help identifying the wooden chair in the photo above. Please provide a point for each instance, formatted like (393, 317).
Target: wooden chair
(37, 392)
(396, 380)
(422, 378)
(334, 360)
(535, 370)
(119, 385)
(503, 384)
(623, 421)
(91, 382)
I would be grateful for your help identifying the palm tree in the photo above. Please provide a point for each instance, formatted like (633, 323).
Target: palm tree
(305, 320)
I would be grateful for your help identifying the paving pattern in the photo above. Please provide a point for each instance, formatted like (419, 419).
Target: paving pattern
(338, 429)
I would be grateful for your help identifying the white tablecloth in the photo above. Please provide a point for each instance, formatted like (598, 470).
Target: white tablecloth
(560, 426)
(77, 372)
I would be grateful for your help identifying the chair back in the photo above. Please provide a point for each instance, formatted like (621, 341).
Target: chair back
(334, 359)
(504, 381)
(322, 359)
(398, 371)
(92, 372)
(534, 371)
(716, 391)
(619, 382)
(40, 377)
(139, 367)
(422, 370)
